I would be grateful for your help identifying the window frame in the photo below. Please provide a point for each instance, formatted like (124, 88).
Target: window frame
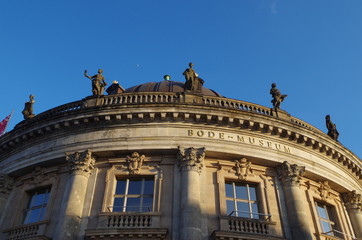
(332, 218)
(31, 196)
(120, 172)
(247, 200)
(128, 195)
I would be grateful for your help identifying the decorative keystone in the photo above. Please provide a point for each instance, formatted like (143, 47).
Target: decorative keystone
(81, 162)
(135, 163)
(324, 190)
(191, 158)
(290, 173)
(352, 200)
(6, 185)
(242, 168)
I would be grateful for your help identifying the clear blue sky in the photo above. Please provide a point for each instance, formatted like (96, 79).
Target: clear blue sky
(312, 49)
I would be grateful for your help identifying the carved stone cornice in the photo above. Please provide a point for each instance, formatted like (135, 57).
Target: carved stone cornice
(81, 162)
(191, 158)
(352, 200)
(242, 168)
(290, 173)
(6, 185)
(135, 162)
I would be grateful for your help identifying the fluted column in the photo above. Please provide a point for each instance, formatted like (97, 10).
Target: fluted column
(353, 203)
(81, 165)
(290, 175)
(6, 185)
(191, 162)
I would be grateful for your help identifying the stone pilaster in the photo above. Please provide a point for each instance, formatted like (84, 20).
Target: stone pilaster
(191, 161)
(6, 185)
(290, 175)
(80, 165)
(353, 203)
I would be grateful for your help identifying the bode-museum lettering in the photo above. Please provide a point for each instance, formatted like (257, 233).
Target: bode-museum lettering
(238, 138)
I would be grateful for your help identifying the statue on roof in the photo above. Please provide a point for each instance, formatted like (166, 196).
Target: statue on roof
(193, 82)
(332, 128)
(98, 82)
(28, 108)
(277, 97)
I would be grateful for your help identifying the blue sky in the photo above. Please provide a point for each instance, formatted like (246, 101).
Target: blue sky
(312, 49)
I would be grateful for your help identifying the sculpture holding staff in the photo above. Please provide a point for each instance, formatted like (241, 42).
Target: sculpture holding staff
(98, 82)
(277, 98)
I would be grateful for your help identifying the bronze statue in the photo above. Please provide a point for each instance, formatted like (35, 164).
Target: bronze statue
(193, 82)
(277, 97)
(98, 82)
(332, 128)
(28, 108)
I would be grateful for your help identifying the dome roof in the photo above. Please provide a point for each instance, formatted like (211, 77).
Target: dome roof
(167, 86)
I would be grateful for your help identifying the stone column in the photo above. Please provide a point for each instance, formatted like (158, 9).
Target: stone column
(353, 203)
(6, 185)
(290, 175)
(190, 163)
(81, 165)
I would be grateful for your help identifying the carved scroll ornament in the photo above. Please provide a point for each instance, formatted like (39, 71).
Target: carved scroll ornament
(324, 190)
(135, 162)
(243, 168)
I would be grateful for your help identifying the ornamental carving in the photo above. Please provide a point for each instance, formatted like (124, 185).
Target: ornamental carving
(81, 162)
(290, 173)
(324, 190)
(242, 168)
(135, 163)
(6, 185)
(191, 158)
(352, 200)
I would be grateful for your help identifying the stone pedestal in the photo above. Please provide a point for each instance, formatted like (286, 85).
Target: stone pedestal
(290, 175)
(353, 203)
(81, 165)
(190, 163)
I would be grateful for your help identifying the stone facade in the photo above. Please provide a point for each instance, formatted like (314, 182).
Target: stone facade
(175, 165)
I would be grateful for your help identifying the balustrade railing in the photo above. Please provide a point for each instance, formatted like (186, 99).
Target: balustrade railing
(26, 231)
(245, 225)
(129, 220)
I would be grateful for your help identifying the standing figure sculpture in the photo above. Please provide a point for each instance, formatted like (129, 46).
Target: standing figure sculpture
(193, 82)
(332, 128)
(28, 108)
(98, 82)
(277, 98)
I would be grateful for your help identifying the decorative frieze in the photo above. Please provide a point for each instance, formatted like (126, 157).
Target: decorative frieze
(81, 162)
(6, 185)
(290, 173)
(324, 190)
(352, 200)
(191, 158)
(242, 168)
(135, 162)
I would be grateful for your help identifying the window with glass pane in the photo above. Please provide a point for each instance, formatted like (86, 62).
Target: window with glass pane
(325, 218)
(37, 205)
(241, 200)
(134, 195)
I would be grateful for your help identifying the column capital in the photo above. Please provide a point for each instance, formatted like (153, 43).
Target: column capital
(352, 200)
(290, 173)
(191, 158)
(6, 185)
(81, 162)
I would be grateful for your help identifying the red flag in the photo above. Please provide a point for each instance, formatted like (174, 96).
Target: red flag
(4, 123)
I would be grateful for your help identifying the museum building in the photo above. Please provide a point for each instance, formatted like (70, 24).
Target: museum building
(175, 161)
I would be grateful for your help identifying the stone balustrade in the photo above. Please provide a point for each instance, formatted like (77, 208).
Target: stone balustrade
(245, 225)
(27, 231)
(129, 220)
